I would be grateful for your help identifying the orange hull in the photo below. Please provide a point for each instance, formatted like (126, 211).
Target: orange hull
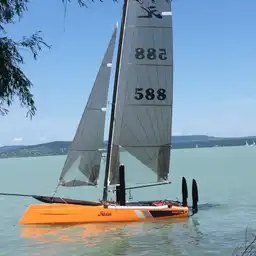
(76, 214)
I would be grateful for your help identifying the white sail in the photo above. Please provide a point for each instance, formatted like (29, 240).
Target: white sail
(143, 114)
(84, 156)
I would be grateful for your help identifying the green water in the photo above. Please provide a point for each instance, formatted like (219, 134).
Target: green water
(226, 179)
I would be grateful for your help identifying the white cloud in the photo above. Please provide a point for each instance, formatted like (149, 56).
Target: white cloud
(43, 138)
(182, 134)
(177, 133)
(17, 139)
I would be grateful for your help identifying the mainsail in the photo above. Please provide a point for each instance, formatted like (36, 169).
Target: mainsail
(143, 111)
(84, 155)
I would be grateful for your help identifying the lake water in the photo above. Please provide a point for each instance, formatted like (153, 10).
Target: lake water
(226, 178)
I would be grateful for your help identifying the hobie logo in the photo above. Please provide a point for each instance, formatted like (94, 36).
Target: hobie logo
(151, 1)
(104, 214)
(150, 11)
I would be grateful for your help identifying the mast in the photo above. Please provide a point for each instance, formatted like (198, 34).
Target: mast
(112, 117)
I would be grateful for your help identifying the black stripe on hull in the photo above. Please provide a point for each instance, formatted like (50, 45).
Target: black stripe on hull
(159, 214)
(59, 200)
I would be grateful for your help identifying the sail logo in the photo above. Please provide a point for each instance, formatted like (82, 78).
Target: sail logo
(152, 1)
(150, 11)
(102, 213)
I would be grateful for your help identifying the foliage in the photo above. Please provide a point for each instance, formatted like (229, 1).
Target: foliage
(13, 81)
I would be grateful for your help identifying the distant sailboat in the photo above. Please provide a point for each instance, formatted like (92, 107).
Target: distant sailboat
(140, 123)
(250, 145)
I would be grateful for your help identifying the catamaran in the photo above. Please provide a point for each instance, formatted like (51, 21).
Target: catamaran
(140, 123)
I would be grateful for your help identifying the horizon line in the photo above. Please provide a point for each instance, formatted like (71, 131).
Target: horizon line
(105, 140)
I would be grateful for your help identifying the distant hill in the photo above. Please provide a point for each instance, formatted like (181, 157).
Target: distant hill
(178, 142)
(7, 148)
(189, 138)
(44, 149)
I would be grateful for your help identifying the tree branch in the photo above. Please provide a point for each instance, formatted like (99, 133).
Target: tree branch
(13, 82)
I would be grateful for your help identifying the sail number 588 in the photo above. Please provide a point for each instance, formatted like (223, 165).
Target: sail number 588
(149, 94)
(150, 54)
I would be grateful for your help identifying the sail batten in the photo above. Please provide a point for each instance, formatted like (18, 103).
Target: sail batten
(83, 161)
(143, 111)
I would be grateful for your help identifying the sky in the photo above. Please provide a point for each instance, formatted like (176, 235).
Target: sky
(214, 67)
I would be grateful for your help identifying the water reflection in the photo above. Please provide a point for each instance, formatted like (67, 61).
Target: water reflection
(67, 233)
(108, 239)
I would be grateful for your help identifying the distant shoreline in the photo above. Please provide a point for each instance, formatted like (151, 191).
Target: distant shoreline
(178, 142)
